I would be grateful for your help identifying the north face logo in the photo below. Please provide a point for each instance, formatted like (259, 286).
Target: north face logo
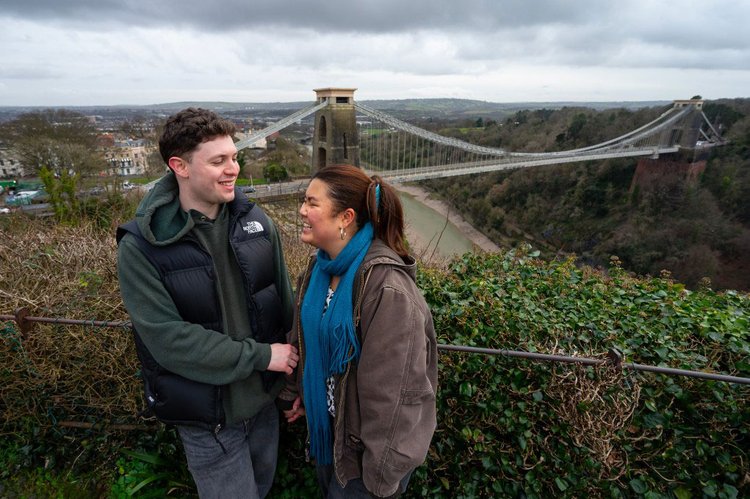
(253, 227)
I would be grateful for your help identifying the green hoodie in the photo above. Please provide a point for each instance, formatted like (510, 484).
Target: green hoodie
(232, 358)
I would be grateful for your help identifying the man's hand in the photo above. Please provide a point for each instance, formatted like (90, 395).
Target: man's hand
(284, 358)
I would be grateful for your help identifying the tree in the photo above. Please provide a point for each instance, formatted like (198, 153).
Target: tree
(137, 128)
(294, 157)
(62, 194)
(274, 172)
(59, 140)
(60, 147)
(155, 166)
(242, 160)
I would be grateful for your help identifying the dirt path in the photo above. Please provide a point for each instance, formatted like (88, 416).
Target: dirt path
(423, 196)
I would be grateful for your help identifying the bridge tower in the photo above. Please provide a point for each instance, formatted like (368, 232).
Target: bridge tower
(336, 139)
(687, 134)
(684, 166)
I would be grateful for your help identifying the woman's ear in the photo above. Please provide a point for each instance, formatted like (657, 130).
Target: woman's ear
(347, 217)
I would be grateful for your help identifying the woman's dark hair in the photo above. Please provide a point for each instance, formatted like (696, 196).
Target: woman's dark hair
(187, 129)
(350, 187)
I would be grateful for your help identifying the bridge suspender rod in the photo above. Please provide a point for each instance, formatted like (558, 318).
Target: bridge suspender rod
(402, 125)
(436, 156)
(423, 151)
(705, 118)
(379, 147)
(399, 136)
(392, 150)
(398, 150)
(649, 131)
(409, 153)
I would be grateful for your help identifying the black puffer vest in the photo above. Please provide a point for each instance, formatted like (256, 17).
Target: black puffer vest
(187, 272)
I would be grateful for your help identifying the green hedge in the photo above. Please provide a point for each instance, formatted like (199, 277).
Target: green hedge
(511, 427)
(507, 427)
(514, 427)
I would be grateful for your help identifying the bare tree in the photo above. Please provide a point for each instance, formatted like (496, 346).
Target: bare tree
(58, 140)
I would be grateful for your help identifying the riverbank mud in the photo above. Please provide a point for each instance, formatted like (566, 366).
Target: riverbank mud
(424, 196)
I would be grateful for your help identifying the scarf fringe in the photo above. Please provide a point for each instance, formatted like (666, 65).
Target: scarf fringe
(320, 445)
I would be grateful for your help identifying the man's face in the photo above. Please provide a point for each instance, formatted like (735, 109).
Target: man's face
(207, 180)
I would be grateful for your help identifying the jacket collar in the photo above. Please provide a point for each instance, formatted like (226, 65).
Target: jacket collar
(161, 219)
(380, 254)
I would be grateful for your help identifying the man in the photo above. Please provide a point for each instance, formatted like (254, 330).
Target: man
(203, 277)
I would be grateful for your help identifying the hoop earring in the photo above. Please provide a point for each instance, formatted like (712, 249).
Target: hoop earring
(342, 232)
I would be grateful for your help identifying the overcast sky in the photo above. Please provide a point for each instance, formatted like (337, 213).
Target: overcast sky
(108, 52)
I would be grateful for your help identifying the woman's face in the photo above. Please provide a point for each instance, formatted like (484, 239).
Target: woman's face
(321, 226)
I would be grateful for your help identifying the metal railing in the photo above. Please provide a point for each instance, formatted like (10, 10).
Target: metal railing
(614, 357)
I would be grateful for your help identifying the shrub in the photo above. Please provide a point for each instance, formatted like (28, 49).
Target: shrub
(507, 426)
(513, 427)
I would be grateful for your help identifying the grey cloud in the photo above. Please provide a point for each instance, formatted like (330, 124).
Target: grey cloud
(584, 26)
(29, 73)
(328, 16)
(240, 48)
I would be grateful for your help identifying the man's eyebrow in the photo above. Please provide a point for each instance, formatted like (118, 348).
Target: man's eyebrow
(220, 155)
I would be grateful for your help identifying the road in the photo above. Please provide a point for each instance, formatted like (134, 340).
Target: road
(297, 186)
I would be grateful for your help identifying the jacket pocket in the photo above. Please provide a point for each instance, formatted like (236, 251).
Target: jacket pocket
(355, 443)
(413, 432)
(178, 400)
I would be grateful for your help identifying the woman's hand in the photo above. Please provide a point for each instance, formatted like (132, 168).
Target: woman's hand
(296, 412)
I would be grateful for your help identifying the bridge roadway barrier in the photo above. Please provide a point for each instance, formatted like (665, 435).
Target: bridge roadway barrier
(281, 190)
(270, 192)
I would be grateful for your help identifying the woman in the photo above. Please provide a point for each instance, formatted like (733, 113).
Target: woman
(368, 362)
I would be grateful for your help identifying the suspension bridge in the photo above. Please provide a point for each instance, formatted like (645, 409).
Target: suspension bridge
(350, 132)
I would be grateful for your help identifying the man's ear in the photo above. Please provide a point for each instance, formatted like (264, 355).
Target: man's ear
(178, 166)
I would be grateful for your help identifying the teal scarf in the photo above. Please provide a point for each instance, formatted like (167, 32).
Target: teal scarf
(330, 339)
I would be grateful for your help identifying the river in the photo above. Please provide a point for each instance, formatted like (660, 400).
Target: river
(425, 223)
(426, 228)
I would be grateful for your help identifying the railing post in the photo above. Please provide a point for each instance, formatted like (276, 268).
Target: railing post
(614, 358)
(23, 325)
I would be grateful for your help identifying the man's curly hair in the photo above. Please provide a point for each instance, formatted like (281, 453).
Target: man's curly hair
(187, 129)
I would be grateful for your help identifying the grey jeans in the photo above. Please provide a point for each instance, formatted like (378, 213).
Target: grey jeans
(244, 468)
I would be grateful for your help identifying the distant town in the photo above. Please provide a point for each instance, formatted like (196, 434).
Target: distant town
(126, 133)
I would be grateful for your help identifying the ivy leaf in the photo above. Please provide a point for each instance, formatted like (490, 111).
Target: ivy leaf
(638, 486)
(522, 443)
(561, 484)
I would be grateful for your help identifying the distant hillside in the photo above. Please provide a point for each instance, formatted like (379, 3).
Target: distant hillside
(403, 108)
(442, 107)
(694, 229)
(219, 106)
(467, 106)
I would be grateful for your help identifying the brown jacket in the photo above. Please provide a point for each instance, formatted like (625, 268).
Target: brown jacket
(385, 403)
